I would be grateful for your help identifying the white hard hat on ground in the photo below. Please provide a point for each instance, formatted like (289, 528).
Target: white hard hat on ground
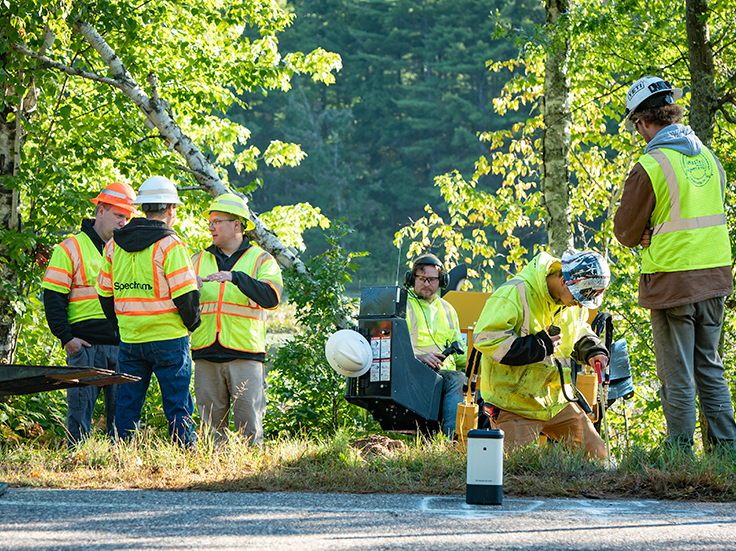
(349, 353)
(587, 275)
(157, 189)
(649, 92)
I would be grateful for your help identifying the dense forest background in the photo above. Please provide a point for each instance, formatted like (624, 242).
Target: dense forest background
(440, 122)
(409, 103)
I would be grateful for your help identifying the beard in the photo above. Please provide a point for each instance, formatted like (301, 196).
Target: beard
(425, 294)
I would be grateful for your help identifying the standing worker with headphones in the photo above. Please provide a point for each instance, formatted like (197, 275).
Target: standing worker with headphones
(433, 327)
(73, 312)
(239, 283)
(148, 286)
(673, 206)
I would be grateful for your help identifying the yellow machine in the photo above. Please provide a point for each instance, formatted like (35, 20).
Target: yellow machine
(468, 307)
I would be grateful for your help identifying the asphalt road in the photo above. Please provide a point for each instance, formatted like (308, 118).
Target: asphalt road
(113, 520)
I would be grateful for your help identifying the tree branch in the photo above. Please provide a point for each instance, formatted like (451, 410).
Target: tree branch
(20, 48)
(157, 113)
(144, 138)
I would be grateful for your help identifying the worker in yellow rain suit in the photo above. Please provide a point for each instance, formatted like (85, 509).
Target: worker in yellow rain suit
(520, 381)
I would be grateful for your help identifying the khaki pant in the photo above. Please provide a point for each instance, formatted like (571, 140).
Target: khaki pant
(570, 424)
(241, 382)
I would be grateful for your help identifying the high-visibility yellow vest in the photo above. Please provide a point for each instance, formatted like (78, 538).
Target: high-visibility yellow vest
(518, 308)
(73, 270)
(144, 284)
(688, 223)
(422, 317)
(227, 314)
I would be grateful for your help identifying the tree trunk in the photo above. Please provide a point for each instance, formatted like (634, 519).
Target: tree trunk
(556, 134)
(11, 139)
(703, 103)
(703, 96)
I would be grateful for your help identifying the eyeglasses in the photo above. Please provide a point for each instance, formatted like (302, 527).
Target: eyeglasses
(218, 222)
(422, 280)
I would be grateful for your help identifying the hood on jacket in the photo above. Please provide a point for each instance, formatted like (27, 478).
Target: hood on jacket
(88, 228)
(535, 275)
(677, 137)
(141, 233)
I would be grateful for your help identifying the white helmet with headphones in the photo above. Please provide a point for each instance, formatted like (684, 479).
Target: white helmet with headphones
(349, 353)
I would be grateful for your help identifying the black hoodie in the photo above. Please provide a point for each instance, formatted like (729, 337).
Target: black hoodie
(137, 236)
(56, 306)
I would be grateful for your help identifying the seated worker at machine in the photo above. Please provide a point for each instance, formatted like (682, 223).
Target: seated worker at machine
(434, 328)
(516, 334)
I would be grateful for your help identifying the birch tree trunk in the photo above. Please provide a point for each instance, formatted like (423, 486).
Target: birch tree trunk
(158, 116)
(703, 98)
(556, 134)
(11, 141)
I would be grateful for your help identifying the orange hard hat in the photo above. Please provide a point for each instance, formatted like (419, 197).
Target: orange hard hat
(117, 194)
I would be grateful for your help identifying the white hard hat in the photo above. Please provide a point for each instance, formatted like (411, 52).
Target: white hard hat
(587, 275)
(157, 189)
(349, 353)
(649, 92)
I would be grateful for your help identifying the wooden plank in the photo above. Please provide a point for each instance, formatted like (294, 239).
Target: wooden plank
(18, 379)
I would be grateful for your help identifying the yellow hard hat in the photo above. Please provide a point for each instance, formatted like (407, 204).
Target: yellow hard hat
(232, 204)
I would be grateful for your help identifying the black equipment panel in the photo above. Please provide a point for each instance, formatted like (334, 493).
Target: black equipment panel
(402, 393)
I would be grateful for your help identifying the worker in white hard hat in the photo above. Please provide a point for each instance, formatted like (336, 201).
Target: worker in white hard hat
(148, 287)
(240, 283)
(73, 312)
(538, 318)
(673, 207)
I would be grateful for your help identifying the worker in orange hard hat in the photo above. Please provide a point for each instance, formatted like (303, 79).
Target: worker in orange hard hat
(117, 194)
(73, 311)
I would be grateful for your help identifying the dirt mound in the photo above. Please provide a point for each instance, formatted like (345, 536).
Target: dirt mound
(377, 445)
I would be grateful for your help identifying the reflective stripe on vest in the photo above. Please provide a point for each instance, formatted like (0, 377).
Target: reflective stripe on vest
(80, 283)
(676, 222)
(414, 333)
(227, 314)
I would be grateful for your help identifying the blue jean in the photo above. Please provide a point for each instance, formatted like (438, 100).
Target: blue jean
(80, 402)
(452, 395)
(171, 361)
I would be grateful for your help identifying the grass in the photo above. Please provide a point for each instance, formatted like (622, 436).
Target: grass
(424, 466)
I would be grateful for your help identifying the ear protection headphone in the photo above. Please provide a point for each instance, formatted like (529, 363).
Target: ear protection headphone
(426, 260)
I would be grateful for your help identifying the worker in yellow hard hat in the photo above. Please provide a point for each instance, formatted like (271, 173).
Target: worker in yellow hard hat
(73, 312)
(239, 283)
